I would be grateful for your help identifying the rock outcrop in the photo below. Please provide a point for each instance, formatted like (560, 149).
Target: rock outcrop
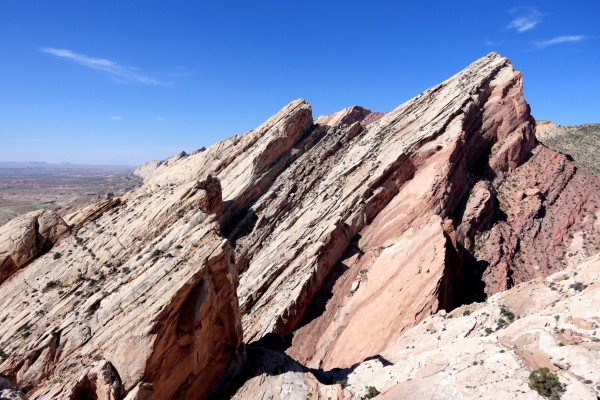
(9, 392)
(368, 217)
(321, 244)
(26, 237)
(581, 142)
(350, 115)
(146, 170)
(141, 303)
(551, 220)
(91, 212)
(480, 351)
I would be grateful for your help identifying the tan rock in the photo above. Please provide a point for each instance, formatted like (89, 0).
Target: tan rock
(349, 116)
(91, 212)
(149, 292)
(146, 170)
(9, 392)
(26, 237)
(341, 206)
(347, 233)
(468, 354)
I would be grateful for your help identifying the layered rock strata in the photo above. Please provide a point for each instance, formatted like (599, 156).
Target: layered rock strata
(479, 351)
(26, 237)
(368, 217)
(140, 304)
(345, 232)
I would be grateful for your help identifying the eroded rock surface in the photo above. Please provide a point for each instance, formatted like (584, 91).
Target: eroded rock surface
(141, 302)
(367, 204)
(350, 115)
(26, 237)
(480, 351)
(551, 212)
(582, 142)
(336, 236)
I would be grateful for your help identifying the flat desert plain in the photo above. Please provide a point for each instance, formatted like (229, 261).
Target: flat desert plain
(28, 186)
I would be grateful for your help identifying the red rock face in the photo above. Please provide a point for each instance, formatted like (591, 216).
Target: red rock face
(349, 116)
(378, 221)
(345, 233)
(551, 212)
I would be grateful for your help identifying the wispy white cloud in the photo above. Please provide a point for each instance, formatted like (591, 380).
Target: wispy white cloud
(559, 39)
(525, 19)
(180, 71)
(110, 67)
(115, 118)
(493, 43)
(160, 119)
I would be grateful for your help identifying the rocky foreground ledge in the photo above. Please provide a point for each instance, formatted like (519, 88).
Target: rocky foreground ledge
(308, 252)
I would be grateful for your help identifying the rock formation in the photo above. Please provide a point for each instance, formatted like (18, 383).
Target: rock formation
(26, 237)
(140, 304)
(146, 170)
(320, 244)
(479, 351)
(582, 142)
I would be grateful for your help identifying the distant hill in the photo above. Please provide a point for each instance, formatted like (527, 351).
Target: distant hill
(64, 165)
(582, 142)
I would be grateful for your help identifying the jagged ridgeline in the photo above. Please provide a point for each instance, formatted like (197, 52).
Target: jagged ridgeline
(299, 252)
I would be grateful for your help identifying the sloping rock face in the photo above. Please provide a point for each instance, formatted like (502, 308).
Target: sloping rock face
(141, 304)
(368, 217)
(26, 237)
(79, 217)
(345, 232)
(480, 351)
(551, 222)
(350, 115)
(146, 170)
(582, 142)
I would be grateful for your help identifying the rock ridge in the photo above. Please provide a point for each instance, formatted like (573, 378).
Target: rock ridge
(335, 237)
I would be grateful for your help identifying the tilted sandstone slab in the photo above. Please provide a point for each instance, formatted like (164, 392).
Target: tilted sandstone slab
(146, 170)
(91, 212)
(141, 304)
(350, 115)
(358, 190)
(480, 351)
(26, 237)
(346, 232)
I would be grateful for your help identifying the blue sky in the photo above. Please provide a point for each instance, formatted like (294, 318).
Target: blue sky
(123, 82)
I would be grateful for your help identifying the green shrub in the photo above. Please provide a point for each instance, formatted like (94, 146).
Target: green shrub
(56, 256)
(371, 392)
(509, 315)
(343, 383)
(546, 383)
(51, 285)
(577, 286)
(155, 254)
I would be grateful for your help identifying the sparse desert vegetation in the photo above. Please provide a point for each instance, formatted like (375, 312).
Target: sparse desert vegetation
(582, 142)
